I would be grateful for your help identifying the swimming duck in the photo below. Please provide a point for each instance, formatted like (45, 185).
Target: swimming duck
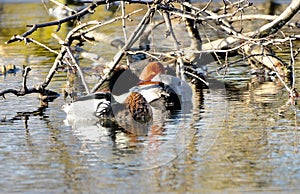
(11, 68)
(8, 69)
(132, 97)
(153, 88)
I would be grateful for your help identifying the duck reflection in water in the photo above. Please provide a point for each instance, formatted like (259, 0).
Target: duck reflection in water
(135, 103)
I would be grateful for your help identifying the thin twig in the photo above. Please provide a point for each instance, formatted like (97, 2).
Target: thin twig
(292, 64)
(206, 6)
(179, 69)
(124, 21)
(248, 57)
(98, 24)
(25, 74)
(79, 70)
(35, 27)
(124, 25)
(197, 77)
(132, 39)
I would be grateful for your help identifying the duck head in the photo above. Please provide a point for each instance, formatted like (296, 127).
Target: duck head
(122, 80)
(151, 70)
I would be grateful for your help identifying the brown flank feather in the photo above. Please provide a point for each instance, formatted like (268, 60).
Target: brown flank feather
(138, 107)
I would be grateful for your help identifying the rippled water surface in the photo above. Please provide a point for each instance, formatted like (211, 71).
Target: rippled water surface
(239, 139)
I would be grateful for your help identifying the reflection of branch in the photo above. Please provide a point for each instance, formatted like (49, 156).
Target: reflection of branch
(40, 111)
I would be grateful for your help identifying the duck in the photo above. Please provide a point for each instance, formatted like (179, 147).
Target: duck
(151, 89)
(11, 68)
(155, 73)
(8, 69)
(133, 100)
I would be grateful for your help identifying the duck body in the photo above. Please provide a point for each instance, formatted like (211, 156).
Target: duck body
(162, 91)
(158, 95)
(181, 88)
(8, 69)
(171, 90)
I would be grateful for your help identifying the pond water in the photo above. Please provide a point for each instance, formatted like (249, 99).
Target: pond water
(238, 138)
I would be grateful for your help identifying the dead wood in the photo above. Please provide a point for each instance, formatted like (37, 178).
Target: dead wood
(254, 45)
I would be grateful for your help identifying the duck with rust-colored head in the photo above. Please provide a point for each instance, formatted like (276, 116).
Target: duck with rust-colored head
(158, 93)
(138, 102)
(159, 90)
(173, 89)
(138, 97)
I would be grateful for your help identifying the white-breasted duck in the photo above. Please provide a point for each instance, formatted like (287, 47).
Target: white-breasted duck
(137, 95)
(153, 88)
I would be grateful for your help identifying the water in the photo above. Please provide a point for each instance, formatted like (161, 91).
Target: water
(242, 139)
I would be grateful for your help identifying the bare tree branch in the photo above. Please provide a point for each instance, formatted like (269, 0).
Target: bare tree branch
(254, 45)
(132, 39)
(279, 22)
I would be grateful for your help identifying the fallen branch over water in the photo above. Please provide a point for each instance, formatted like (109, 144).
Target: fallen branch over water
(45, 95)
